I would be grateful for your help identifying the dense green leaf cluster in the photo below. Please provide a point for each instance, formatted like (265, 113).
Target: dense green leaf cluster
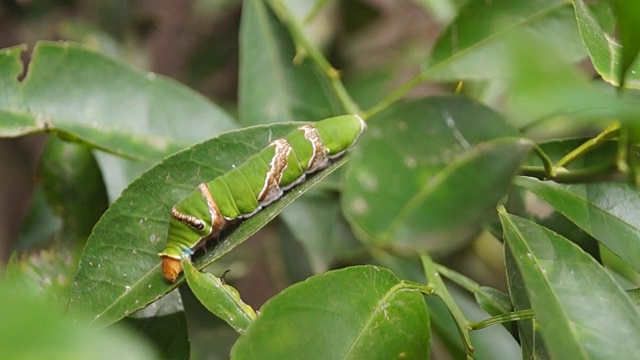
(528, 165)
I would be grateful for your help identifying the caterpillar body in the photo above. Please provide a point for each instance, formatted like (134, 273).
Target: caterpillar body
(259, 181)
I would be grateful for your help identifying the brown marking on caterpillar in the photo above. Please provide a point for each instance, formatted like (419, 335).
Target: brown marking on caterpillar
(319, 159)
(271, 190)
(191, 221)
(218, 221)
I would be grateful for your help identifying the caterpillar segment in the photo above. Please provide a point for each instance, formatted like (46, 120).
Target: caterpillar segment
(246, 189)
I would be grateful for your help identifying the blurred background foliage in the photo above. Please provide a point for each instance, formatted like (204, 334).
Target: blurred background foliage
(377, 45)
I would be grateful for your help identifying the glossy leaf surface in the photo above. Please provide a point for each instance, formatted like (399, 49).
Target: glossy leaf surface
(352, 313)
(556, 275)
(273, 88)
(409, 181)
(607, 211)
(605, 52)
(74, 187)
(219, 298)
(93, 99)
(628, 13)
(472, 46)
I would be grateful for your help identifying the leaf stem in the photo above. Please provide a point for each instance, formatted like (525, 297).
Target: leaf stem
(428, 289)
(463, 281)
(558, 171)
(546, 161)
(440, 290)
(609, 132)
(569, 176)
(395, 96)
(512, 316)
(305, 47)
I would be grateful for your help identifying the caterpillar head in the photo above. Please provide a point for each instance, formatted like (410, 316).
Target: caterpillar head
(171, 268)
(194, 220)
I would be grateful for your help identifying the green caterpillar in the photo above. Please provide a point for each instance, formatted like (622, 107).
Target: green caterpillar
(259, 181)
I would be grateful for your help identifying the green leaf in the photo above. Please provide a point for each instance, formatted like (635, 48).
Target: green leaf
(39, 225)
(533, 346)
(48, 255)
(120, 271)
(472, 46)
(444, 328)
(599, 163)
(557, 274)
(634, 294)
(628, 13)
(72, 180)
(33, 327)
(272, 88)
(93, 99)
(357, 312)
(220, 299)
(12, 121)
(607, 56)
(48, 270)
(544, 87)
(165, 324)
(606, 211)
(10, 69)
(408, 183)
(442, 323)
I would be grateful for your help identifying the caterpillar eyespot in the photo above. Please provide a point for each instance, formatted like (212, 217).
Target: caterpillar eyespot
(247, 188)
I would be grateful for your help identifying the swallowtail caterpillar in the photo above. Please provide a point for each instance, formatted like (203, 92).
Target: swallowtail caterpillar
(259, 181)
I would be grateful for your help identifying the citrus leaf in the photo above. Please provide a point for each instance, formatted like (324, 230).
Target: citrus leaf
(71, 178)
(532, 344)
(40, 224)
(219, 298)
(606, 211)
(556, 275)
(628, 13)
(545, 87)
(48, 270)
(472, 46)
(408, 181)
(33, 327)
(605, 52)
(90, 98)
(357, 312)
(272, 88)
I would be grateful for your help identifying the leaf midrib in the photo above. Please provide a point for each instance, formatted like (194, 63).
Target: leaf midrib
(553, 295)
(508, 29)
